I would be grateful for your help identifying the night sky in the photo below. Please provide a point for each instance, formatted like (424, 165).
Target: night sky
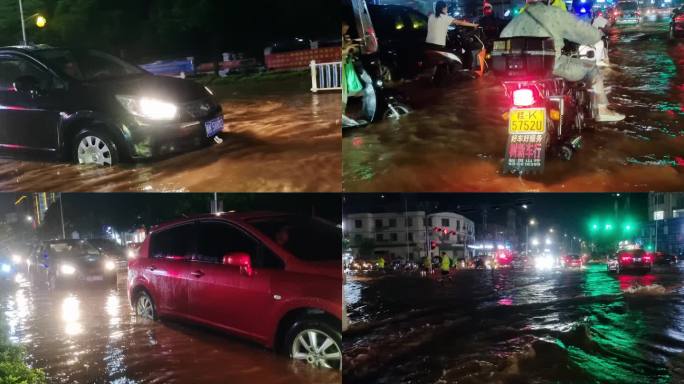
(564, 210)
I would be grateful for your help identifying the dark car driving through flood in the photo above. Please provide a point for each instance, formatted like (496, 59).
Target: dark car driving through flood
(89, 107)
(60, 263)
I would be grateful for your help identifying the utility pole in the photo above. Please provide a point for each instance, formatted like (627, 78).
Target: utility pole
(61, 210)
(23, 24)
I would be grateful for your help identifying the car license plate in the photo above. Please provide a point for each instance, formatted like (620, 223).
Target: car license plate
(94, 278)
(527, 120)
(214, 126)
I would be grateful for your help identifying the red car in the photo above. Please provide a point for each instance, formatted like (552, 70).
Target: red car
(272, 278)
(572, 261)
(503, 258)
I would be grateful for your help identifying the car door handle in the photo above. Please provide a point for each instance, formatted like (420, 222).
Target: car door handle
(197, 274)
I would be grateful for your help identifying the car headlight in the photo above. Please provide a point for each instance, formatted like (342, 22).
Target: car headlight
(149, 108)
(109, 265)
(67, 269)
(16, 259)
(5, 268)
(131, 254)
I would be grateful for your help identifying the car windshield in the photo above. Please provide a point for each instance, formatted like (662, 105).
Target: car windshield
(627, 6)
(634, 253)
(308, 239)
(76, 248)
(87, 65)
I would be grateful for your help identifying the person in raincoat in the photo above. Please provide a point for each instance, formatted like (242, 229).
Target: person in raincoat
(554, 3)
(381, 263)
(542, 20)
(445, 265)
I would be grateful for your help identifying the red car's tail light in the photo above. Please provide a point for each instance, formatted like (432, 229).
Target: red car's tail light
(647, 258)
(523, 97)
(626, 259)
(679, 19)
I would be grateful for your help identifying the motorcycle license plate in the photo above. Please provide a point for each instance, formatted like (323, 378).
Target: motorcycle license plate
(527, 121)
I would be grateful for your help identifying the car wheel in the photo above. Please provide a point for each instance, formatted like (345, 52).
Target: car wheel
(144, 306)
(95, 147)
(315, 342)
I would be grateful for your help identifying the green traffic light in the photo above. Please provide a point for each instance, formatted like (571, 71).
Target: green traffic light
(609, 227)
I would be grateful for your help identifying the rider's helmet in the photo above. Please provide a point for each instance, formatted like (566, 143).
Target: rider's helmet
(487, 9)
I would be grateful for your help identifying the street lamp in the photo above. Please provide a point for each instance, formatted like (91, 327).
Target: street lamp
(548, 241)
(41, 21)
(527, 236)
(551, 230)
(535, 242)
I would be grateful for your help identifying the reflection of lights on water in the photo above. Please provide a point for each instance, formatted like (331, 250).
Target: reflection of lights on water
(114, 353)
(506, 301)
(17, 313)
(71, 314)
(112, 309)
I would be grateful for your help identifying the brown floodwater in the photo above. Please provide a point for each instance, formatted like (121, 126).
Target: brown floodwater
(275, 141)
(455, 138)
(90, 335)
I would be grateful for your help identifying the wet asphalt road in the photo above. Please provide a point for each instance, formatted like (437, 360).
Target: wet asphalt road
(517, 326)
(279, 138)
(455, 139)
(90, 335)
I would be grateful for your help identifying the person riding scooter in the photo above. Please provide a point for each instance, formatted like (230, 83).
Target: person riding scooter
(438, 27)
(542, 20)
(601, 23)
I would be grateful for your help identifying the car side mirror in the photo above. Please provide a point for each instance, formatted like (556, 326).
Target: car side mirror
(241, 260)
(27, 84)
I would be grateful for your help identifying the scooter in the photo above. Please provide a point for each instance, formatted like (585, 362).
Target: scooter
(546, 113)
(378, 102)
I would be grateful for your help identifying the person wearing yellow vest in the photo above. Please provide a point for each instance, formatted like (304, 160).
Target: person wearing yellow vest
(554, 3)
(446, 264)
(381, 263)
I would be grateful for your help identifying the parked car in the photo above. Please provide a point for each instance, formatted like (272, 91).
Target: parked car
(661, 258)
(627, 12)
(630, 260)
(93, 108)
(677, 23)
(68, 262)
(269, 277)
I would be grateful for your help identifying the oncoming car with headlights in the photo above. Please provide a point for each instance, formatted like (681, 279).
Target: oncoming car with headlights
(90, 107)
(63, 262)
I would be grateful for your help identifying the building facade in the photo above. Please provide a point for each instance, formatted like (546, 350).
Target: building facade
(664, 230)
(408, 235)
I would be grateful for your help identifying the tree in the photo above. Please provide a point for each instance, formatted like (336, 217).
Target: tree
(366, 248)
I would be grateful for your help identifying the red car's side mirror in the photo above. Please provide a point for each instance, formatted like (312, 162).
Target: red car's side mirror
(241, 260)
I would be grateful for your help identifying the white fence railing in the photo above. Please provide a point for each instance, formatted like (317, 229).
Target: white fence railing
(326, 76)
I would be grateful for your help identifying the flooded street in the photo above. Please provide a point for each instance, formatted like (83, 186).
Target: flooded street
(455, 139)
(517, 326)
(270, 136)
(90, 335)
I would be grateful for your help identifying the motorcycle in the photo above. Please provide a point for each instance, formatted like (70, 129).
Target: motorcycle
(546, 113)
(441, 64)
(378, 101)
